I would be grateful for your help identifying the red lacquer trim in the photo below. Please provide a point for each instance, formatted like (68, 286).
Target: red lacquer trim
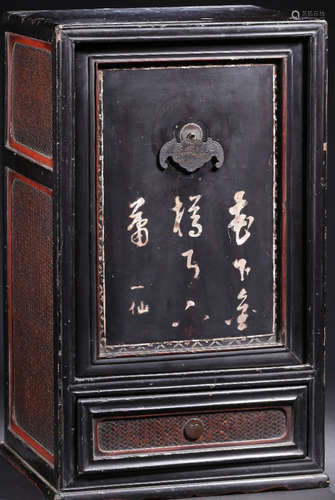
(14, 427)
(97, 194)
(286, 409)
(96, 204)
(30, 153)
(284, 205)
(31, 442)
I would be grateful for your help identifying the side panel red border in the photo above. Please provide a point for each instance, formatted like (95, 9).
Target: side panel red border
(24, 150)
(14, 427)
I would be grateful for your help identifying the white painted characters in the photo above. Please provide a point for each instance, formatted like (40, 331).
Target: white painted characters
(193, 210)
(194, 216)
(240, 222)
(191, 265)
(140, 309)
(179, 210)
(240, 225)
(140, 237)
(189, 304)
(241, 265)
(242, 308)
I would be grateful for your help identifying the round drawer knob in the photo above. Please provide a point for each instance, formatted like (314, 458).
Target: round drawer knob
(193, 429)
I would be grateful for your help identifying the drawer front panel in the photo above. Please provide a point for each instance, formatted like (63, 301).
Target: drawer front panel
(173, 432)
(183, 429)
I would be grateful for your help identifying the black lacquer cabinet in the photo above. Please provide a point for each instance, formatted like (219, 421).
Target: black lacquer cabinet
(163, 177)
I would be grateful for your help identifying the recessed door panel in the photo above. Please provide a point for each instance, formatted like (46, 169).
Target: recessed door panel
(186, 212)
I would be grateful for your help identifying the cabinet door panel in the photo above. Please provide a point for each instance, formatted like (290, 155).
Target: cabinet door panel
(186, 246)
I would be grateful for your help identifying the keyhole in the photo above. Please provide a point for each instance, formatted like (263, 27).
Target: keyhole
(191, 132)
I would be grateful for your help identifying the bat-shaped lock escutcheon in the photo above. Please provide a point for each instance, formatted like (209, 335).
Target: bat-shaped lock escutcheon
(191, 152)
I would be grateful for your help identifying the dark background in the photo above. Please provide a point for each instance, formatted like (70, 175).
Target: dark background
(13, 486)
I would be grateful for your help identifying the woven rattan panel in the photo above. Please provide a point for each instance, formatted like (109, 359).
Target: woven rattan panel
(30, 276)
(168, 432)
(32, 98)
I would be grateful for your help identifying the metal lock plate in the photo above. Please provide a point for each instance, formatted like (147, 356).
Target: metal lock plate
(191, 152)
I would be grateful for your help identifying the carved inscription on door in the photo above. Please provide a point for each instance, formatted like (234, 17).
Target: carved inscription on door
(186, 260)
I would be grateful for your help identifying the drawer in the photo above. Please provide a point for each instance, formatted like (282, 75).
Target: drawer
(159, 433)
(227, 426)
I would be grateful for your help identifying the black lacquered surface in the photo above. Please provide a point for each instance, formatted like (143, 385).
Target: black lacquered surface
(173, 239)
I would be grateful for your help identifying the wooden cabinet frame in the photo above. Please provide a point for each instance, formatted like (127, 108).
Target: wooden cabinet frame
(288, 371)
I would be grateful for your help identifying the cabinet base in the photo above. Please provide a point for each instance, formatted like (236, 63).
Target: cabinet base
(166, 491)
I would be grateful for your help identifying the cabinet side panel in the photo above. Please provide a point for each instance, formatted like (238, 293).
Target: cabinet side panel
(30, 313)
(30, 98)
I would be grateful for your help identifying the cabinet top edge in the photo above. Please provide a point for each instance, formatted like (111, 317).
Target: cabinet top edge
(89, 17)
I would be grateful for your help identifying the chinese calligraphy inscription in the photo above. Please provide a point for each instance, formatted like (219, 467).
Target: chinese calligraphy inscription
(240, 223)
(179, 210)
(194, 216)
(242, 308)
(237, 224)
(241, 265)
(141, 235)
(140, 309)
(193, 210)
(240, 220)
(191, 265)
